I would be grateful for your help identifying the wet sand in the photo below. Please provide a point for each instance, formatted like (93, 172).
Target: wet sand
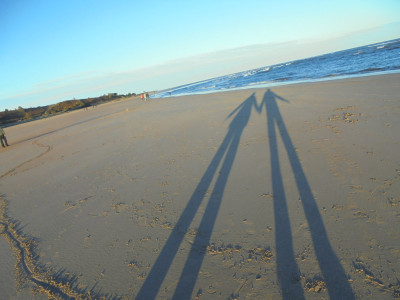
(290, 192)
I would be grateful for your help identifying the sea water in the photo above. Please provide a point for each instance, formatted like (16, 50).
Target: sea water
(372, 59)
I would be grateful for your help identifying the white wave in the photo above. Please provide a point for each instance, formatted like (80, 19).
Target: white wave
(208, 87)
(249, 73)
(260, 82)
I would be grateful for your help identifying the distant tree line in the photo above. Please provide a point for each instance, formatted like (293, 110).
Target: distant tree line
(25, 114)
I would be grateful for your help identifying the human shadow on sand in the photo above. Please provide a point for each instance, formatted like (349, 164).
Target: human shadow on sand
(288, 272)
(225, 157)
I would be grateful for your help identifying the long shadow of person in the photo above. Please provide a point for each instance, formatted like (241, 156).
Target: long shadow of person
(226, 155)
(287, 269)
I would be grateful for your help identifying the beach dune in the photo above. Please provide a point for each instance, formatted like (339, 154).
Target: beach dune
(286, 192)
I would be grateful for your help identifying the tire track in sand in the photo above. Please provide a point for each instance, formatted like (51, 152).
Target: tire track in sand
(49, 148)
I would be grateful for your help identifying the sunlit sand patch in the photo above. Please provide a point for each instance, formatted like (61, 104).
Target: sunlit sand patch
(315, 284)
(393, 201)
(214, 249)
(304, 254)
(268, 228)
(337, 207)
(369, 277)
(78, 204)
(346, 115)
(134, 265)
(240, 254)
(267, 195)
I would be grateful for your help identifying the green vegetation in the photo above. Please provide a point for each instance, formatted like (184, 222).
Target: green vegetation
(25, 114)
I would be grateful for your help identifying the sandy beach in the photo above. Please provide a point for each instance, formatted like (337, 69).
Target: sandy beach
(291, 192)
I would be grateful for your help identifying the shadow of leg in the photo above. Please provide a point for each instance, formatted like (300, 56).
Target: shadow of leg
(336, 280)
(288, 272)
(195, 259)
(153, 282)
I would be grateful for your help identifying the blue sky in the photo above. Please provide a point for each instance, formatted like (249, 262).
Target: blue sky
(58, 50)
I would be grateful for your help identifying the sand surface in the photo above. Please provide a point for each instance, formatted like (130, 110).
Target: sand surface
(287, 193)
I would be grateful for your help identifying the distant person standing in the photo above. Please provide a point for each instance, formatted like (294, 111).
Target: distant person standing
(3, 138)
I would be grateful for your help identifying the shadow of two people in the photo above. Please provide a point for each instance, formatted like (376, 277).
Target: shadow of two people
(288, 272)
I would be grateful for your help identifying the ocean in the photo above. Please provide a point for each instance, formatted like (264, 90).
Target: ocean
(379, 58)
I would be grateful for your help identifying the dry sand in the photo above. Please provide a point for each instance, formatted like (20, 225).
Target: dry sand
(292, 192)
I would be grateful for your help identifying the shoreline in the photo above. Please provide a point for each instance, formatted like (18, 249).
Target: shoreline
(287, 191)
(286, 83)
